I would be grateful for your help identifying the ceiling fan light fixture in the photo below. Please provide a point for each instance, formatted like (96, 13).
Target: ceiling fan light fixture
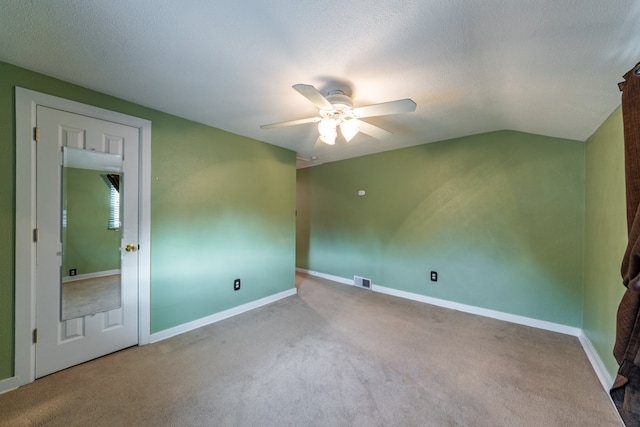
(327, 129)
(349, 129)
(335, 108)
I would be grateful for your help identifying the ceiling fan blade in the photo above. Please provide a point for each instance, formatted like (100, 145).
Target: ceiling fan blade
(313, 95)
(392, 107)
(291, 123)
(372, 130)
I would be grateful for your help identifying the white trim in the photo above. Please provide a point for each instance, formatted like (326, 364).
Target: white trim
(95, 275)
(598, 366)
(9, 384)
(144, 236)
(326, 276)
(26, 101)
(507, 317)
(606, 380)
(25, 248)
(92, 160)
(186, 327)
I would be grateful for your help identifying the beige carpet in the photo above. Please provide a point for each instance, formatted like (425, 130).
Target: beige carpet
(333, 355)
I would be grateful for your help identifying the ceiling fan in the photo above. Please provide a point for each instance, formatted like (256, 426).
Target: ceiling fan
(335, 110)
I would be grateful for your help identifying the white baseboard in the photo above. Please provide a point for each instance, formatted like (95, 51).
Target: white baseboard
(596, 362)
(507, 317)
(592, 355)
(186, 327)
(326, 276)
(601, 371)
(9, 384)
(67, 279)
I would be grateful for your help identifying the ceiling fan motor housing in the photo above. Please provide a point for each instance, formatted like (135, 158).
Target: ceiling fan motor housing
(341, 103)
(339, 100)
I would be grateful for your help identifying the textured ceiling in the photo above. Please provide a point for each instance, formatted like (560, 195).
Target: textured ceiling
(547, 66)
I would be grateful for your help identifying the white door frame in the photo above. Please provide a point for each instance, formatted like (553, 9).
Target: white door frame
(25, 315)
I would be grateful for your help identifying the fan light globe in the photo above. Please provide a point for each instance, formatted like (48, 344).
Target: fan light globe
(349, 129)
(327, 129)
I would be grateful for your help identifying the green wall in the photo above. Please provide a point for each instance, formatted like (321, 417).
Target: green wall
(499, 216)
(605, 235)
(7, 222)
(303, 218)
(222, 207)
(88, 244)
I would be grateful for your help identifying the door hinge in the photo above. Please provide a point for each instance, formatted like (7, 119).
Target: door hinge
(36, 234)
(35, 335)
(36, 134)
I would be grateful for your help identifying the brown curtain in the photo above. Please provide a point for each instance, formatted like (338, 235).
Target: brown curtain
(625, 391)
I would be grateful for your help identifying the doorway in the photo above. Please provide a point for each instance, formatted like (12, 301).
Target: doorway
(132, 307)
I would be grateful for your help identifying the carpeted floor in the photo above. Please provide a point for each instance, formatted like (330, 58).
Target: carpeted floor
(333, 355)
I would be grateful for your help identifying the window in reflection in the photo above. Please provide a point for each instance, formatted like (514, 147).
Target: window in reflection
(114, 201)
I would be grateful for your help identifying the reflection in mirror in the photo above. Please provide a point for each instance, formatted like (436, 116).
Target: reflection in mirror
(91, 188)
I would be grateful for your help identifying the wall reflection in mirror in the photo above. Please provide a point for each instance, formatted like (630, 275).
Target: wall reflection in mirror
(91, 238)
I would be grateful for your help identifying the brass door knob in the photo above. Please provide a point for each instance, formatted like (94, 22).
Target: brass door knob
(130, 247)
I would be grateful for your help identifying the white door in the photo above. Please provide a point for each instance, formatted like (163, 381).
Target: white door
(70, 146)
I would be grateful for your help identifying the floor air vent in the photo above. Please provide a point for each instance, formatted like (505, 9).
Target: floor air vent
(361, 282)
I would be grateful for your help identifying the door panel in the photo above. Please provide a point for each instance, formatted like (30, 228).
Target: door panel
(64, 343)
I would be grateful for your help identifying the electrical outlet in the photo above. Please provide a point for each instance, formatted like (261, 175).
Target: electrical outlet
(236, 285)
(434, 276)
(73, 272)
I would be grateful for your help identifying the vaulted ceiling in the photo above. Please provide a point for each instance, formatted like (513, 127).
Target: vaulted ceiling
(547, 67)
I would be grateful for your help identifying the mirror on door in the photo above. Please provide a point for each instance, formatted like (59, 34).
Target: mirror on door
(91, 237)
